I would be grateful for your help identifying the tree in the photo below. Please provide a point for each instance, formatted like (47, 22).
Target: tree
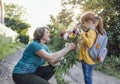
(13, 18)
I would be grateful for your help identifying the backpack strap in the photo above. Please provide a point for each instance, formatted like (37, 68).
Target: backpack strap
(94, 30)
(104, 31)
(97, 31)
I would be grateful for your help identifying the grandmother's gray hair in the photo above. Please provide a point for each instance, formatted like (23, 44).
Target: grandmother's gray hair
(38, 33)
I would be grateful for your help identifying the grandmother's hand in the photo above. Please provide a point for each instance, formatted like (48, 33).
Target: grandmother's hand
(72, 46)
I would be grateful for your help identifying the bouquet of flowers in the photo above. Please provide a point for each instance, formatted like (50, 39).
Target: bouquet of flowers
(68, 36)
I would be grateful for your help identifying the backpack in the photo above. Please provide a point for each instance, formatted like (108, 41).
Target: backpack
(98, 51)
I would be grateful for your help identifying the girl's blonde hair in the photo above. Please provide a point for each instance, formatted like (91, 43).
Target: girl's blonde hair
(91, 16)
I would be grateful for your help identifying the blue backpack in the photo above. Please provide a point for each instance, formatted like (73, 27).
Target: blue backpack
(98, 51)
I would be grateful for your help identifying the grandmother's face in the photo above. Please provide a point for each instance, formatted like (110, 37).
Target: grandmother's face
(46, 36)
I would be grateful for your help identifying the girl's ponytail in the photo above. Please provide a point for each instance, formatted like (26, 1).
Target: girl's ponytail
(100, 26)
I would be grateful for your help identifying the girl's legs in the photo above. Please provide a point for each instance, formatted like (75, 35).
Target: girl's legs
(87, 71)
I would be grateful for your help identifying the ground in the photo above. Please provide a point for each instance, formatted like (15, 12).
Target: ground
(75, 75)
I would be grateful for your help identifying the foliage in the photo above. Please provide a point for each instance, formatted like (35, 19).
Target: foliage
(13, 17)
(110, 66)
(55, 30)
(71, 58)
(65, 17)
(60, 79)
(57, 43)
(7, 47)
(24, 38)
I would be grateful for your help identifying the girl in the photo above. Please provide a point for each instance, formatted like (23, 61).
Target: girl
(89, 22)
(30, 69)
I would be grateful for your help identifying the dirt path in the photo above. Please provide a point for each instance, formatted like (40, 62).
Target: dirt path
(75, 75)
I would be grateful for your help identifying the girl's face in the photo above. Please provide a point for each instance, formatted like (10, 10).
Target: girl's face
(46, 36)
(87, 25)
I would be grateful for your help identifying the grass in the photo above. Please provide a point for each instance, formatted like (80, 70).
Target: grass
(7, 47)
(111, 66)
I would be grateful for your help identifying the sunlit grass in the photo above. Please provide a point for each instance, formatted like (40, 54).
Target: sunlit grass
(110, 66)
(7, 47)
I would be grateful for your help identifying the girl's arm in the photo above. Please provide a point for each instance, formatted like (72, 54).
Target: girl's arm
(88, 38)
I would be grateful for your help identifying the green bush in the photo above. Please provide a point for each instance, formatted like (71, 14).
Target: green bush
(4, 40)
(24, 38)
(7, 47)
(110, 66)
